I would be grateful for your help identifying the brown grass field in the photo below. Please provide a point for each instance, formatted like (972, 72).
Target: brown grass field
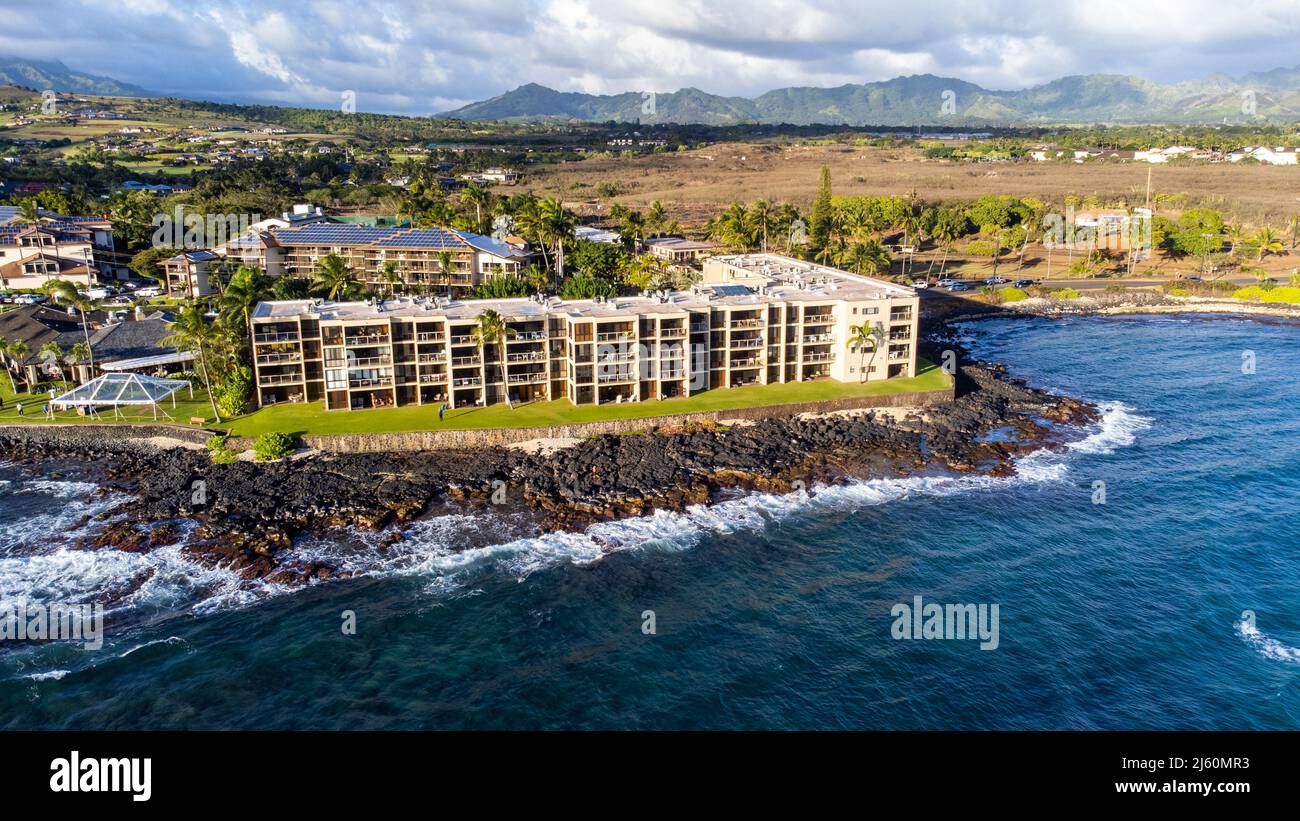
(694, 185)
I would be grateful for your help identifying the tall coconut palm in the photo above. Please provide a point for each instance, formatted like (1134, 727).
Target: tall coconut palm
(656, 219)
(445, 259)
(191, 332)
(558, 224)
(865, 258)
(247, 287)
(333, 277)
(479, 197)
(18, 350)
(67, 293)
(865, 337)
(492, 330)
(762, 217)
(5, 348)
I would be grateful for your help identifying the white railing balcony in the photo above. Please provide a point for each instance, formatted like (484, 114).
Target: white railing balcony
(818, 357)
(467, 382)
(747, 343)
(368, 361)
(278, 378)
(429, 337)
(373, 382)
(671, 333)
(463, 361)
(614, 337)
(745, 363)
(818, 319)
(431, 357)
(527, 336)
(531, 356)
(276, 358)
(462, 340)
(819, 338)
(621, 376)
(526, 378)
(289, 336)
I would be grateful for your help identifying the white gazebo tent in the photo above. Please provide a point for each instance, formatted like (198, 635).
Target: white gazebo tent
(124, 389)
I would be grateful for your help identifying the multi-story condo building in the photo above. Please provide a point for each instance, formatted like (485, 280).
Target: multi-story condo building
(755, 319)
(77, 248)
(437, 260)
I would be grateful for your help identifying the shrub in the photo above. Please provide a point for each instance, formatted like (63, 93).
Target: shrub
(1012, 294)
(1065, 293)
(1278, 293)
(1179, 292)
(234, 390)
(217, 450)
(271, 446)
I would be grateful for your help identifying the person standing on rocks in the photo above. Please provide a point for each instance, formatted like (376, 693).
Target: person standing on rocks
(20, 408)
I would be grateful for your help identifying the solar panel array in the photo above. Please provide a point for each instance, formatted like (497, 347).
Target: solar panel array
(340, 234)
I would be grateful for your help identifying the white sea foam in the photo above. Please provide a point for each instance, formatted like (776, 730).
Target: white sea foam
(434, 548)
(168, 640)
(50, 675)
(1267, 646)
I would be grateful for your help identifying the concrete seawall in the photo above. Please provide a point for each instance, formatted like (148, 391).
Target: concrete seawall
(495, 437)
(72, 435)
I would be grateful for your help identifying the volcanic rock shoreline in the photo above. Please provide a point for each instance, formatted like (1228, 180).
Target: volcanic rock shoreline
(248, 514)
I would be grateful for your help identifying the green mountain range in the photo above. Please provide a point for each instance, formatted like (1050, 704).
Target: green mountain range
(53, 75)
(925, 99)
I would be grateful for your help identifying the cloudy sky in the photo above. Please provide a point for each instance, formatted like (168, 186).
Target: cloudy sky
(424, 56)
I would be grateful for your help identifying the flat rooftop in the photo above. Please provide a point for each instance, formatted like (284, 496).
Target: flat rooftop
(773, 278)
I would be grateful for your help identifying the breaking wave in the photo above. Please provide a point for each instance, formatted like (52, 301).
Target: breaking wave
(1266, 645)
(455, 549)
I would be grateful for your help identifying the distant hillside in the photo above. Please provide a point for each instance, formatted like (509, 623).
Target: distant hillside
(53, 75)
(928, 100)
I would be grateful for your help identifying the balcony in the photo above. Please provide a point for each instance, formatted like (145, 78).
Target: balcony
(526, 378)
(426, 358)
(756, 342)
(288, 336)
(531, 356)
(818, 338)
(370, 361)
(672, 373)
(467, 382)
(371, 382)
(432, 378)
(700, 328)
(616, 356)
(278, 379)
(746, 323)
(278, 358)
(671, 333)
(619, 376)
(463, 340)
(466, 361)
(614, 337)
(366, 339)
(429, 337)
(751, 362)
(818, 318)
(823, 356)
(903, 315)
(527, 336)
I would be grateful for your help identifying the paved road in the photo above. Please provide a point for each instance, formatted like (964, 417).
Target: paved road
(1097, 284)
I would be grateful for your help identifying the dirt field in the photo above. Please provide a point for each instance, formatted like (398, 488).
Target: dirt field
(695, 185)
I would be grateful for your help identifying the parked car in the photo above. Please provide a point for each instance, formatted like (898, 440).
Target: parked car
(30, 299)
(98, 293)
(149, 293)
(920, 283)
(5, 296)
(121, 299)
(959, 286)
(944, 282)
(995, 280)
(1193, 278)
(1025, 283)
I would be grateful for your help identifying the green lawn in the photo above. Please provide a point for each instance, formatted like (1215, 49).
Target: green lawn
(32, 404)
(312, 418)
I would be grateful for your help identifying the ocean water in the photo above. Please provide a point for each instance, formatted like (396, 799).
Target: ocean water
(1173, 604)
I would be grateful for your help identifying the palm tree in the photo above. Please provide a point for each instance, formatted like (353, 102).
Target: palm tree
(389, 274)
(480, 198)
(762, 218)
(333, 277)
(246, 288)
(444, 267)
(557, 225)
(5, 348)
(19, 351)
(191, 332)
(865, 337)
(64, 291)
(1266, 241)
(78, 353)
(492, 330)
(1236, 236)
(1293, 225)
(656, 219)
(865, 258)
